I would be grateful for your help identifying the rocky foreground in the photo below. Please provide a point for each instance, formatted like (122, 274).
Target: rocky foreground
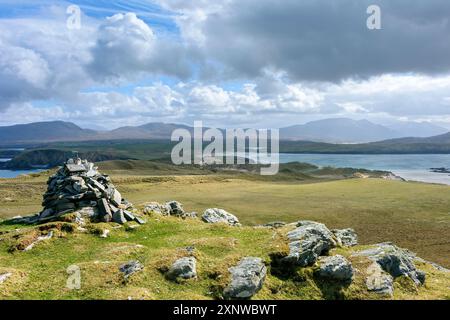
(212, 254)
(328, 255)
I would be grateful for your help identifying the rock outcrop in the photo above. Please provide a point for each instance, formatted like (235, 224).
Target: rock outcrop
(336, 268)
(215, 215)
(346, 237)
(307, 242)
(131, 268)
(379, 281)
(183, 268)
(395, 261)
(171, 208)
(247, 279)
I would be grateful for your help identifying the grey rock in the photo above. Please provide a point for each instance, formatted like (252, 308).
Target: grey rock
(394, 260)
(131, 268)
(105, 211)
(46, 213)
(88, 212)
(378, 281)
(307, 242)
(155, 207)
(304, 252)
(5, 276)
(215, 215)
(346, 237)
(116, 198)
(336, 268)
(39, 239)
(118, 217)
(128, 215)
(139, 220)
(77, 185)
(183, 268)
(247, 278)
(175, 208)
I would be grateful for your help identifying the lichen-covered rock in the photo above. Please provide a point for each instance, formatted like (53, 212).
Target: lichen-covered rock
(307, 242)
(5, 276)
(247, 279)
(215, 215)
(336, 268)
(183, 268)
(156, 208)
(346, 237)
(378, 281)
(130, 268)
(175, 208)
(304, 252)
(396, 261)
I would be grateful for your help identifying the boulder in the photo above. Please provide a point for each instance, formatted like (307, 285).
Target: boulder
(118, 217)
(378, 281)
(155, 207)
(175, 208)
(336, 268)
(128, 215)
(215, 215)
(183, 268)
(105, 211)
(307, 242)
(247, 279)
(303, 253)
(116, 197)
(346, 237)
(5, 276)
(131, 268)
(395, 261)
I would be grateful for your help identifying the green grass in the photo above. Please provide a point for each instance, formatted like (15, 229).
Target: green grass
(412, 215)
(41, 273)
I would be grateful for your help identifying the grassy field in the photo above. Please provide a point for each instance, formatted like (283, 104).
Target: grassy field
(412, 215)
(42, 272)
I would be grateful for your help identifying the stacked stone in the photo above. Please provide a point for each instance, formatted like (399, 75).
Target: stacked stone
(78, 186)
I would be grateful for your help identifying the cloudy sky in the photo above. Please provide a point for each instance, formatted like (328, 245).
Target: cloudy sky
(261, 63)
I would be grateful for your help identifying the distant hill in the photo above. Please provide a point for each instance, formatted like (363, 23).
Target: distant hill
(335, 131)
(339, 130)
(155, 130)
(60, 131)
(417, 129)
(439, 144)
(343, 130)
(43, 131)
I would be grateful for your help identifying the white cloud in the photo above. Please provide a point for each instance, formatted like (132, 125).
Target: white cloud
(127, 49)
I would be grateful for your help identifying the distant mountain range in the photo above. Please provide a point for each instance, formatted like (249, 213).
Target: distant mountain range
(339, 130)
(343, 130)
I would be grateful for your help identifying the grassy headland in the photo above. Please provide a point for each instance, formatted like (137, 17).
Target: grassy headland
(413, 215)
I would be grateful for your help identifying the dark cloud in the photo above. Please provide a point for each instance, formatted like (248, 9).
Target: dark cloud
(327, 40)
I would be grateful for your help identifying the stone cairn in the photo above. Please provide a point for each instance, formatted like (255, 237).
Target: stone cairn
(78, 187)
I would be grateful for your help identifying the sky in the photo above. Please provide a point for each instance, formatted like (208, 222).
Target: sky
(229, 63)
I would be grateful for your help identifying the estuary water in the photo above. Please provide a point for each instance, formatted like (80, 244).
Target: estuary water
(413, 167)
(14, 173)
